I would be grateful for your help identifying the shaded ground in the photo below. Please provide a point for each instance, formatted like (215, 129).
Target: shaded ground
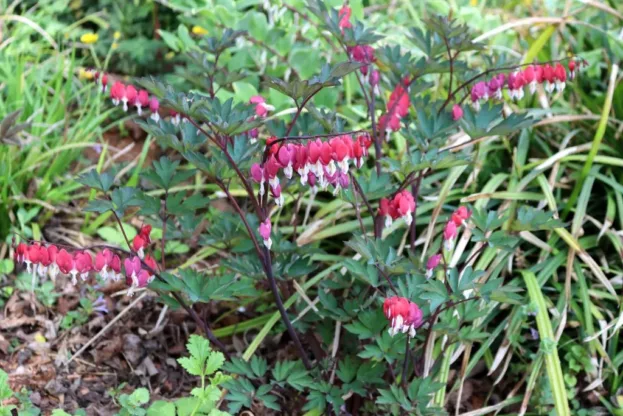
(134, 350)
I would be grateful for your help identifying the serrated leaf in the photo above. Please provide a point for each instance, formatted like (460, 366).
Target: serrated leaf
(98, 205)
(215, 362)
(161, 408)
(199, 349)
(93, 179)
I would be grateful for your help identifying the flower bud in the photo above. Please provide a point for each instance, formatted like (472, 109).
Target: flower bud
(431, 264)
(457, 112)
(449, 234)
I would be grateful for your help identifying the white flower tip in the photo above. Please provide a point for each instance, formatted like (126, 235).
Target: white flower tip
(388, 221)
(408, 219)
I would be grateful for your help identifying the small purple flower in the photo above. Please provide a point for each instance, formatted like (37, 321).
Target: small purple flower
(534, 333)
(100, 305)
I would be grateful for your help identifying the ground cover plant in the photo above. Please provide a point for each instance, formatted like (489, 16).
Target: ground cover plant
(358, 221)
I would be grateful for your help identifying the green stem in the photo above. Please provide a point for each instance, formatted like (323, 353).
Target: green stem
(552, 362)
(444, 372)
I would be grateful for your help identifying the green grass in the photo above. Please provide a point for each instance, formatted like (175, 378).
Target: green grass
(570, 282)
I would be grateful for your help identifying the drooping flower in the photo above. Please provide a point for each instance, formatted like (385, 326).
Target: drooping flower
(301, 163)
(495, 86)
(344, 15)
(142, 101)
(457, 112)
(44, 261)
(132, 271)
(401, 205)
(404, 316)
(257, 174)
(138, 245)
(65, 262)
(83, 264)
(253, 135)
(32, 258)
(115, 268)
(549, 78)
(375, 77)
(154, 105)
(286, 156)
(151, 263)
(515, 85)
(261, 107)
(461, 215)
(175, 117)
(53, 254)
(560, 77)
(103, 261)
(142, 240)
(405, 205)
(129, 97)
(117, 92)
(386, 209)
(529, 75)
(328, 162)
(432, 264)
(449, 234)
(265, 230)
(397, 107)
(145, 232)
(21, 252)
(479, 93)
(275, 192)
(271, 171)
(104, 82)
(363, 54)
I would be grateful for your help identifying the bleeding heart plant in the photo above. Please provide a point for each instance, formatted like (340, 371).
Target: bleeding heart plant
(415, 139)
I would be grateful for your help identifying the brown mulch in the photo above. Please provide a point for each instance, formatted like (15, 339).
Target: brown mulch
(34, 351)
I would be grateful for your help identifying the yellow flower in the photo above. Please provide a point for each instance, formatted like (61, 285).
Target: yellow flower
(473, 3)
(85, 74)
(117, 35)
(114, 45)
(169, 56)
(198, 30)
(89, 38)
